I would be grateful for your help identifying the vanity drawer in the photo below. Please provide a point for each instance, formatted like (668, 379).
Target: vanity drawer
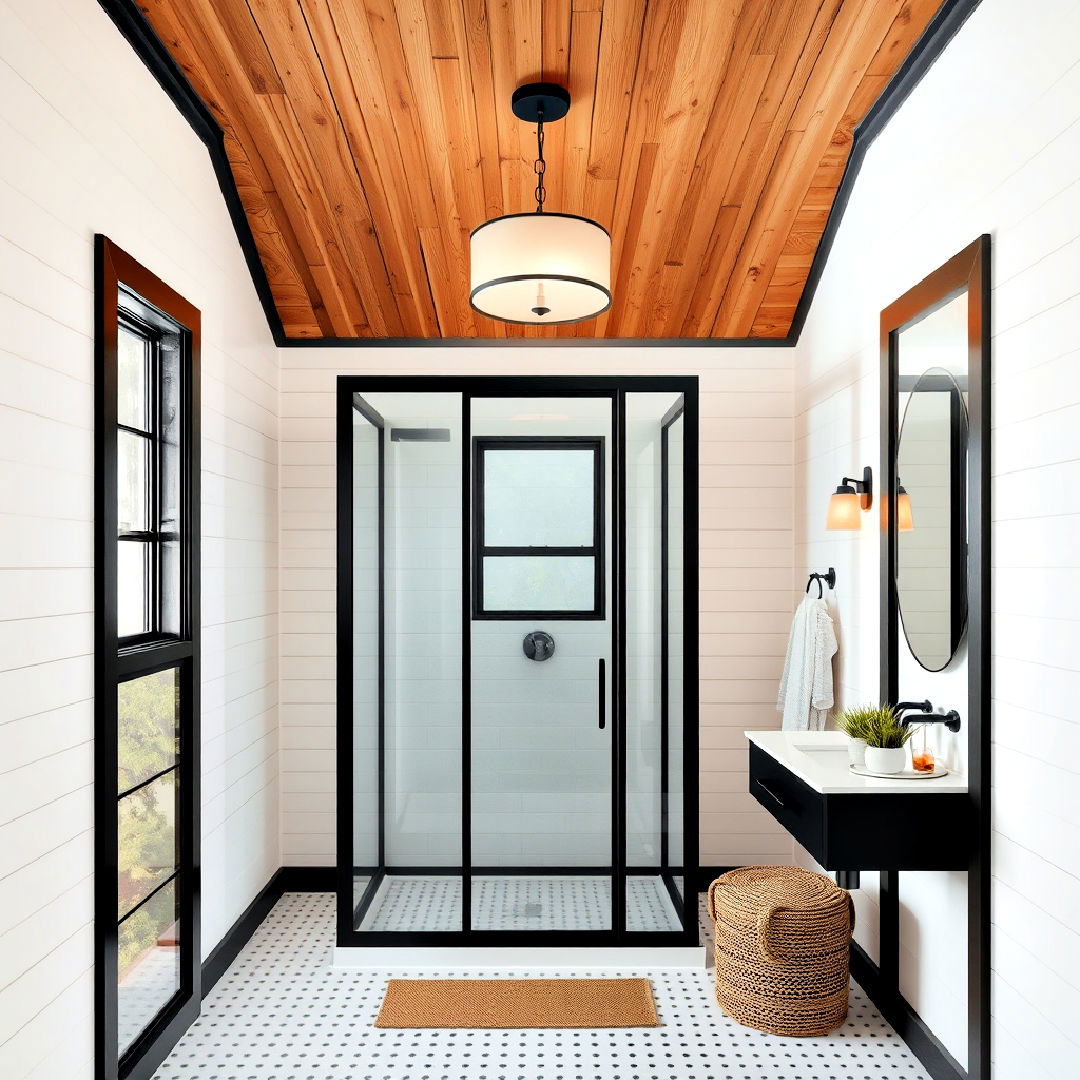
(794, 804)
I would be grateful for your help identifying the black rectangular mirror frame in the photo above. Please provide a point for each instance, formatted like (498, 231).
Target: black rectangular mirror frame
(968, 271)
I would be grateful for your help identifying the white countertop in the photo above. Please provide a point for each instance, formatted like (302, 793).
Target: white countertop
(819, 758)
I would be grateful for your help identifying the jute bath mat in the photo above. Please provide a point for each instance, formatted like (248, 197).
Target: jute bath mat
(517, 1003)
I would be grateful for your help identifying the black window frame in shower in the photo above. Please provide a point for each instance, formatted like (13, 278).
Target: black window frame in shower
(615, 389)
(481, 550)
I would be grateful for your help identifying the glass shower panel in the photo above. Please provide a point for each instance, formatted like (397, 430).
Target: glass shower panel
(541, 765)
(366, 487)
(672, 856)
(653, 895)
(417, 884)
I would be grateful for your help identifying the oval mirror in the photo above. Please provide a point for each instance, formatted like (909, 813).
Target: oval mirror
(931, 517)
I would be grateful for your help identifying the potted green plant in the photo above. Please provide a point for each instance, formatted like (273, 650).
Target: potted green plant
(876, 732)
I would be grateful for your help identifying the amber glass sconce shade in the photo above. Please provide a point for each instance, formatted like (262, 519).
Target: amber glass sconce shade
(905, 522)
(850, 500)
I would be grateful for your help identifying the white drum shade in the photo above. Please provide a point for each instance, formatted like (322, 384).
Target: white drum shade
(523, 262)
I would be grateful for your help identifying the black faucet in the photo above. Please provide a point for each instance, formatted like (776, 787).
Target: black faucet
(902, 707)
(951, 719)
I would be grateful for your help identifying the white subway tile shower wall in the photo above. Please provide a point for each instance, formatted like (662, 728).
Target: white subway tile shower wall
(91, 144)
(746, 566)
(988, 142)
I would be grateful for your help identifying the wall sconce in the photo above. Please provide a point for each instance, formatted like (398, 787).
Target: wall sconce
(851, 497)
(905, 522)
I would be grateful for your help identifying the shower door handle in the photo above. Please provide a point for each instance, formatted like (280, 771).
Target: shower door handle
(600, 694)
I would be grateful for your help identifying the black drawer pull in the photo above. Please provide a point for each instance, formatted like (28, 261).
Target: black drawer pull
(768, 790)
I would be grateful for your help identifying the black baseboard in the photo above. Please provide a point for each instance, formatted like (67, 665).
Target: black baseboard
(911, 1027)
(285, 879)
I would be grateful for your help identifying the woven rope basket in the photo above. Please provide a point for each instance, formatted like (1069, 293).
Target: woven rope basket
(782, 939)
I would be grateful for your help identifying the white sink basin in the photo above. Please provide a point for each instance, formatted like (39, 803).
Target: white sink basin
(820, 759)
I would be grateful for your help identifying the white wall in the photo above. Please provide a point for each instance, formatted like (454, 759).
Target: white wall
(91, 144)
(989, 142)
(746, 565)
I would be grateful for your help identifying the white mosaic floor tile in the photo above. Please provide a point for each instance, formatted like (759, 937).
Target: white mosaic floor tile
(282, 1013)
(501, 902)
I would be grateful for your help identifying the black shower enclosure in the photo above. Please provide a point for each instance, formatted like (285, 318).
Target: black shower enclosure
(517, 674)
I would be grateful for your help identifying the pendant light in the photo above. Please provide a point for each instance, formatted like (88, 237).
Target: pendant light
(540, 267)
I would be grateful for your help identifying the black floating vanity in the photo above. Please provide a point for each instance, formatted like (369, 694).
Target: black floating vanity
(850, 822)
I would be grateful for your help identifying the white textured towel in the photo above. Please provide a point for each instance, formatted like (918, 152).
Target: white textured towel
(806, 687)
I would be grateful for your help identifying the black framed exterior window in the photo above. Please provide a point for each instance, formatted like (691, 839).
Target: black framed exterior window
(146, 665)
(538, 527)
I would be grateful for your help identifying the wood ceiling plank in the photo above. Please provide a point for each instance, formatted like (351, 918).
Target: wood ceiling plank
(581, 82)
(475, 28)
(621, 33)
(338, 282)
(704, 47)
(911, 20)
(798, 38)
(851, 43)
(311, 123)
(208, 63)
(661, 39)
(346, 50)
(630, 230)
(805, 234)
(620, 42)
(456, 185)
(213, 51)
(745, 74)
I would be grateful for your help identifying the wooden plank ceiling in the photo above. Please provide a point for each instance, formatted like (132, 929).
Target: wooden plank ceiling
(367, 139)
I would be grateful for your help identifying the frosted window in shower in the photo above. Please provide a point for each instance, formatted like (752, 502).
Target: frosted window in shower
(539, 526)
(539, 583)
(539, 498)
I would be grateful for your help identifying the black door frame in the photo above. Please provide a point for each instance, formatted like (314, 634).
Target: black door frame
(615, 388)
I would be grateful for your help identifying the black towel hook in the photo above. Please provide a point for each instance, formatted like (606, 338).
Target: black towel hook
(829, 579)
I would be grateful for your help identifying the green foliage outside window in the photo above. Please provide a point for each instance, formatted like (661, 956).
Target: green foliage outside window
(147, 712)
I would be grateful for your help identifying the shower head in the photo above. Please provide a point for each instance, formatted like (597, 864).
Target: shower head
(419, 434)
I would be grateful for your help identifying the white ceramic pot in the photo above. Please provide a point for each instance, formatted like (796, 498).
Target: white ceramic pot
(856, 751)
(886, 759)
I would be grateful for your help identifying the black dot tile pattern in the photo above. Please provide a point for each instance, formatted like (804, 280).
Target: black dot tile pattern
(282, 1012)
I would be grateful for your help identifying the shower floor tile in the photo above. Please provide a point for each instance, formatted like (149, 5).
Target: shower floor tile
(281, 1012)
(571, 902)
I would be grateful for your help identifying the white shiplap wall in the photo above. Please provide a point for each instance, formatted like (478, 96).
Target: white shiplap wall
(989, 142)
(90, 144)
(746, 565)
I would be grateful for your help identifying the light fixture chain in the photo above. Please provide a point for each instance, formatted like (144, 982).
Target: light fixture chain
(540, 165)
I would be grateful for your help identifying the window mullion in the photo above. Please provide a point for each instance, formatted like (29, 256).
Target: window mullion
(148, 781)
(148, 897)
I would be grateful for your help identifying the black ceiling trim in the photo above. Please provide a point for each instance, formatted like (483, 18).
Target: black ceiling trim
(148, 46)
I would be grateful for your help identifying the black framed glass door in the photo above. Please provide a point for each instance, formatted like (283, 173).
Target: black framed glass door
(542, 768)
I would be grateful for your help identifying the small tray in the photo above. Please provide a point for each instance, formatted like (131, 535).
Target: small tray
(904, 774)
